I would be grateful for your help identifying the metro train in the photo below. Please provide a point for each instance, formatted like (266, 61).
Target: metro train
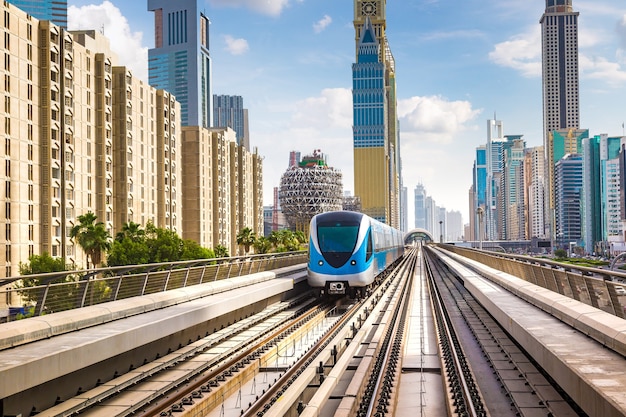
(347, 251)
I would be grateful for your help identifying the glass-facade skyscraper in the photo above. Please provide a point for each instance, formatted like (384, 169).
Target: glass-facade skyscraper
(568, 183)
(229, 111)
(180, 61)
(52, 10)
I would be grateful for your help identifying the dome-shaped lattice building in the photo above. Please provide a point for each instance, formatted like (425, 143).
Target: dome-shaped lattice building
(309, 188)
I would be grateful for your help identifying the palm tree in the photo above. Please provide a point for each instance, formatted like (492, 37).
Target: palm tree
(246, 238)
(131, 230)
(300, 237)
(221, 251)
(92, 237)
(262, 245)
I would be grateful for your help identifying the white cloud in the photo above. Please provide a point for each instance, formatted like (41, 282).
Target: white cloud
(621, 31)
(332, 108)
(236, 46)
(267, 7)
(322, 24)
(321, 122)
(600, 68)
(522, 53)
(123, 42)
(434, 118)
(454, 34)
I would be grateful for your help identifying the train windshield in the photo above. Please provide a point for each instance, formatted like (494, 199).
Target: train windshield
(337, 237)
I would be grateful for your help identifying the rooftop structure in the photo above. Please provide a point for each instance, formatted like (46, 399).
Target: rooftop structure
(309, 188)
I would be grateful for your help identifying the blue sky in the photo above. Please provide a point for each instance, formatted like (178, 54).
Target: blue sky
(457, 62)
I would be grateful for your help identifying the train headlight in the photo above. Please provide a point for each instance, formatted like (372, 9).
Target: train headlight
(353, 262)
(320, 263)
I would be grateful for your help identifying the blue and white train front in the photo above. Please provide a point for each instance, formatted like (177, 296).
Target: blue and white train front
(341, 252)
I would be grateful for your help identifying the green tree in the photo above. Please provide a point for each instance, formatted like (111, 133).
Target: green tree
(164, 245)
(284, 240)
(59, 297)
(560, 254)
(192, 250)
(262, 245)
(301, 237)
(221, 251)
(132, 231)
(92, 237)
(41, 264)
(126, 251)
(246, 238)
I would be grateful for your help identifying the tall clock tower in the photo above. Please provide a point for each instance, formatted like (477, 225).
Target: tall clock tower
(375, 10)
(375, 126)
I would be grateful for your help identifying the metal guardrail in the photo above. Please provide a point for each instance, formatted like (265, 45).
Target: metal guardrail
(74, 289)
(601, 288)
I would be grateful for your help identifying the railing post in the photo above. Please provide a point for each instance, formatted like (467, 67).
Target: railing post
(118, 287)
(186, 277)
(217, 271)
(84, 297)
(167, 279)
(145, 283)
(42, 302)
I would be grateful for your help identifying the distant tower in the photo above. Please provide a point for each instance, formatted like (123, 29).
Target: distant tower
(228, 111)
(294, 158)
(53, 10)
(495, 167)
(180, 61)
(375, 124)
(420, 206)
(559, 42)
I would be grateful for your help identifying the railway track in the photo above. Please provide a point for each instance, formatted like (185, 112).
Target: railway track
(197, 379)
(502, 380)
(174, 382)
(317, 359)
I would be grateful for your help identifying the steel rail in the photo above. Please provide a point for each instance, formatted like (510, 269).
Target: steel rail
(451, 348)
(381, 388)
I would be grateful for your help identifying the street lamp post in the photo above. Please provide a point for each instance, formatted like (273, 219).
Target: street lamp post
(440, 231)
(480, 212)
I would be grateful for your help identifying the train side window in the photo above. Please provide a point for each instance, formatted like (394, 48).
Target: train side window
(370, 248)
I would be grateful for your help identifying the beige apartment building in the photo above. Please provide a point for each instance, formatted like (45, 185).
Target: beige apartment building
(222, 189)
(81, 134)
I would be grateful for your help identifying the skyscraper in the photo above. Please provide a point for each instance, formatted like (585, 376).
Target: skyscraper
(53, 10)
(559, 41)
(568, 182)
(228, 111)
(375, 124)
(180, 61)
(495, 165)
(420, 206)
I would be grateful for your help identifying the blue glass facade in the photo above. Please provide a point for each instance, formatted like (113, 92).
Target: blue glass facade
(180, 62)
(368, 93)
(52, 10)
(480, 176)
(569, 184)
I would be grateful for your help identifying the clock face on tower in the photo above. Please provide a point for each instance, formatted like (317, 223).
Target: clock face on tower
(368, 8)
